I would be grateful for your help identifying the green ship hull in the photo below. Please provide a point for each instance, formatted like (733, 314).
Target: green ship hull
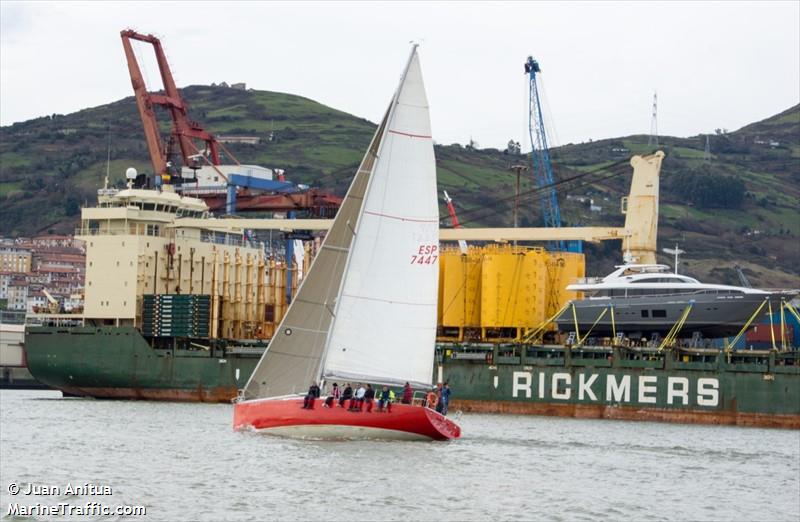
(745, 388)
(751, 388)
(117, 362)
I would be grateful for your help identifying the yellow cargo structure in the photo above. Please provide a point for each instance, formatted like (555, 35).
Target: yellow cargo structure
(499, 292)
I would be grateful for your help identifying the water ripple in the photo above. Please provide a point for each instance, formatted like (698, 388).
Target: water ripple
(184, 462)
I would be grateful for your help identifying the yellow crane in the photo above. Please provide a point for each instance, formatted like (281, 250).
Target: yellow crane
(638, 235)
(53, 305)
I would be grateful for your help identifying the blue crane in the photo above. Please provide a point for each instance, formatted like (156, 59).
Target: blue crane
(540, 157)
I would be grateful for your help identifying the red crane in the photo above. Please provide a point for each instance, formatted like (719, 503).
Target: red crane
(184, 130)
(451, 209)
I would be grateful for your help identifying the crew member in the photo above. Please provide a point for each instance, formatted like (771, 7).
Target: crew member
(333, 396)
(347, 395)
(369, 396)
(445, 397)
(431, 399)
(408, 394)
(311, 396)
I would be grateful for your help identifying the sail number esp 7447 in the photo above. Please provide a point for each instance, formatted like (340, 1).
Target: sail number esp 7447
(425, 255)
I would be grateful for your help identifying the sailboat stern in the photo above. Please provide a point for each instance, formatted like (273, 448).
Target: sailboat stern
(287, 417)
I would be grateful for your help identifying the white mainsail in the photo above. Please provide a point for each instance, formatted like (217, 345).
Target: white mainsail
(385, 325)
(367, 307)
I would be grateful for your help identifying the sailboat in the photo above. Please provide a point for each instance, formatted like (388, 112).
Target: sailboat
(366, 310)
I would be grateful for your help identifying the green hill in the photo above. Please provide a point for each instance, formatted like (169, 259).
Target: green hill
(738, 206)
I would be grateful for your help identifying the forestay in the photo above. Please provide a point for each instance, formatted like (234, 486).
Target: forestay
(385, 325)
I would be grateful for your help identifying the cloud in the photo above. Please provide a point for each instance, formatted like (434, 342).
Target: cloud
(718, 64)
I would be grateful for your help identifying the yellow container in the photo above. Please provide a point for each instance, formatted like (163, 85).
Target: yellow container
(459, 289)
(500, 286)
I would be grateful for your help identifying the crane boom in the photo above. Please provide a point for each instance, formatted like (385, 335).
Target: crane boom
(542, 167)
(184, 130)
(451, 209)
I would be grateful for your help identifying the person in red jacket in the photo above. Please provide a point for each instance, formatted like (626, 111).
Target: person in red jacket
(408, 394)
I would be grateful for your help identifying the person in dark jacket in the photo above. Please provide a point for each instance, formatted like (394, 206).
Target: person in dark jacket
(311, 396)
(369, 397)
(445, 398)
(408, 394)
(439, 404)
(347, 394)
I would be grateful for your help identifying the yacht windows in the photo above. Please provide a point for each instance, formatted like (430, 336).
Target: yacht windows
(659, 313)
(645, 313)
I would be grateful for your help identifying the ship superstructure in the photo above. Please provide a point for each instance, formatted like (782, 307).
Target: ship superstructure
(134, 248)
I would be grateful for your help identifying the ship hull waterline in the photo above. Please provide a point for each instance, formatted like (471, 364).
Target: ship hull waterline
(117, 363)
(287, 417)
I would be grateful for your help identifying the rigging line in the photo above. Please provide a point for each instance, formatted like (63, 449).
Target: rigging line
(560, 182)
(493, 211)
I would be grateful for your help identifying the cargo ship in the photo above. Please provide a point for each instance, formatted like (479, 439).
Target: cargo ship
(686, 385)
(175, 312)
(180, 306)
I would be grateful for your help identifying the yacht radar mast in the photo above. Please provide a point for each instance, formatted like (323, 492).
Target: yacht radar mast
(676, 252)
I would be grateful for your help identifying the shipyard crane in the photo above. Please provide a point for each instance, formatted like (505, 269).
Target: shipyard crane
(53, 305)
(184, 130)
(240, 191)
(542, 167)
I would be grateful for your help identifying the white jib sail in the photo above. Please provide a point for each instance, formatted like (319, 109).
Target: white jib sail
(384, 329)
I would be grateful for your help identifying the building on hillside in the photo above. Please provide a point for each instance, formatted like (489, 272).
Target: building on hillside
(55, 263)
(17, 294)
(36, 302)
(13, 259)
(55, 241)
(5, 279)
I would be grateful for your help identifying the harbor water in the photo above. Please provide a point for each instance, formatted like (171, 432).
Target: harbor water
(182, 461)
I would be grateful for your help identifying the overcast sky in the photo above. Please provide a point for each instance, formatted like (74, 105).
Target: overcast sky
(717, 64)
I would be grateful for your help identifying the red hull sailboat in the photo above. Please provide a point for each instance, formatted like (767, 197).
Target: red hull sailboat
(287, 417)
(366, 310)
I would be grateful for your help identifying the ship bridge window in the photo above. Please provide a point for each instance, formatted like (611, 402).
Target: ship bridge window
(148, 206)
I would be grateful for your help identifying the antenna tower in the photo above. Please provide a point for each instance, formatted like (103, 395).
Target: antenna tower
(707, 151)
(653, 139)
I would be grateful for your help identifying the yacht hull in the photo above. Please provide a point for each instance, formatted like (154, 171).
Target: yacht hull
(286, 417)
(712, 315)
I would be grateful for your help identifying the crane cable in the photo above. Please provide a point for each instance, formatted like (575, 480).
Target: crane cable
(545, 187)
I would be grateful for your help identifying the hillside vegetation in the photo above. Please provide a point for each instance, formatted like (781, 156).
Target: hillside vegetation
(738, 206)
